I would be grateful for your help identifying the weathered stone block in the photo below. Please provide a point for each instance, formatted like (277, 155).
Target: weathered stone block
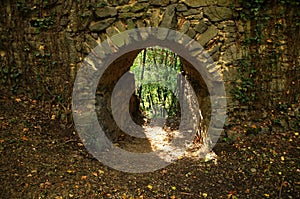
(111, 31)
(209, 34)
(130, 24)
(126, 8)
(130, 15)
(215, 13)
(139, 7)
(120, 26)
(106, 12)
(90, 41)
(223, 2)
(181, 8)
(155, 18)
(201, 27)
(101, 25)
(191, 33)
(117, 2)
(230, 29)
(185, 27)
(191, 12)
(195, 3)
(159, 2)
(203, 3)
(169, 18)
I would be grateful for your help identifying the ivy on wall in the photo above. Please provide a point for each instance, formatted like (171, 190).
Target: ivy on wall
(272, 38)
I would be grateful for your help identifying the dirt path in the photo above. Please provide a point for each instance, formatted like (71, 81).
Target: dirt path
(41, 157)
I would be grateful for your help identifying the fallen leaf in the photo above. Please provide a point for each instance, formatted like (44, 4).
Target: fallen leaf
(150, 186)
(38, 127)
(41, 47)
(25, 138)
(285, 184)
(100, 171)
(83, 177)
(253, 170)
(18, 100)
(164, 171)
(47, 183)
(231, 194)
(95, 174)
(69, 171)
(42, 186)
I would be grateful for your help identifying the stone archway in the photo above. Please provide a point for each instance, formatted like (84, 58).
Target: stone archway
(122, 51)
(206, 22)
(107, 57)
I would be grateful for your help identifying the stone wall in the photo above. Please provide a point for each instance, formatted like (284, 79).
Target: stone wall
(43, 43)
(56, 35)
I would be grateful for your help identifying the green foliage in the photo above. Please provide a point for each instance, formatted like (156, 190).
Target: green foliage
(26, 8)
(22, 7)
(156, 81)
(44, 23)
(244, 88)
(272, 26)
(156, 99)
(10, 76)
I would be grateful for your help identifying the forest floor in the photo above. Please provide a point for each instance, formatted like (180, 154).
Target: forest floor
(42, 157)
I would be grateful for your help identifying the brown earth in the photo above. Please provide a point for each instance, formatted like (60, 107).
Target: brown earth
(42, 157)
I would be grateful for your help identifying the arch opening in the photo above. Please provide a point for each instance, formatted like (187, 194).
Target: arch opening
(156, 72)
(141, 112)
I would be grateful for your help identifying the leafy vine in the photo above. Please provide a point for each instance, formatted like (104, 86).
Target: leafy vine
(268, 74)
